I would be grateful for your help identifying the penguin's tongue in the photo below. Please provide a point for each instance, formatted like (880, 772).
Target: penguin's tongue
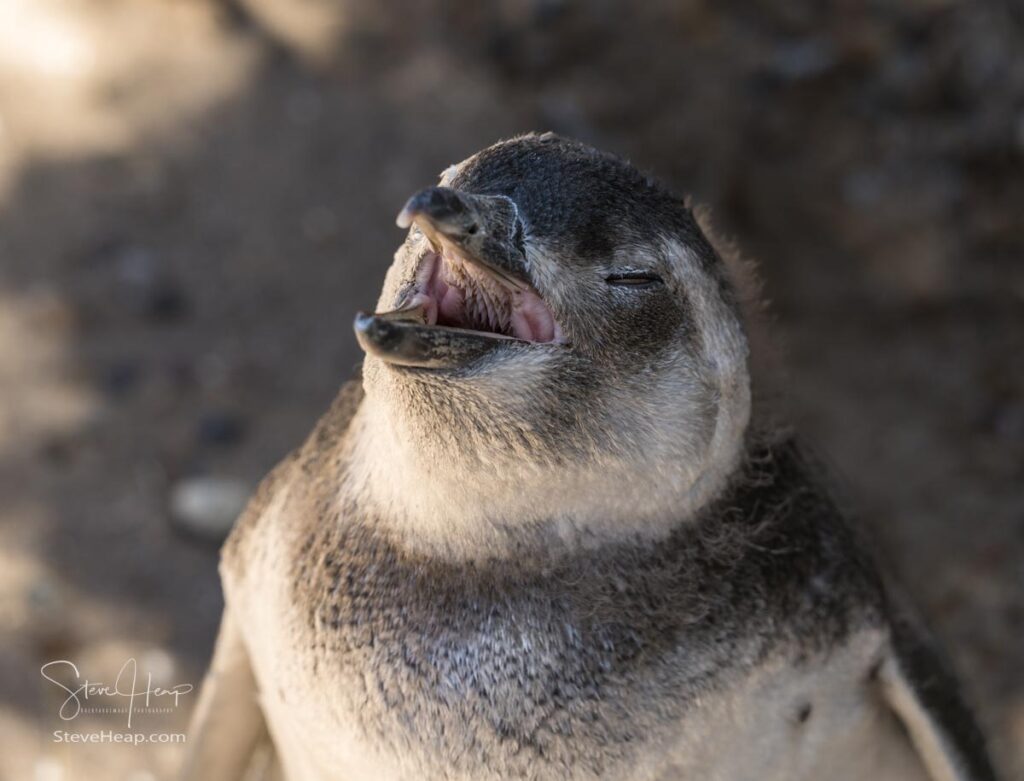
(459, 294)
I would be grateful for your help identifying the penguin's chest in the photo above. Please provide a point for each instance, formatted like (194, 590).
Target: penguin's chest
(371, 666)
(417, 670)
(470, 683)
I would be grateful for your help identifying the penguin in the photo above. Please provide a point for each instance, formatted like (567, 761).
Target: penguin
(547, 533)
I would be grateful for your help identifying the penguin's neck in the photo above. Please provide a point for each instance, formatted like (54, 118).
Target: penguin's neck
(447, 502)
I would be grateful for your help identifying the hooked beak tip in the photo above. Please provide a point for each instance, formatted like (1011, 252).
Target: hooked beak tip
(440, 207)
(405, 218)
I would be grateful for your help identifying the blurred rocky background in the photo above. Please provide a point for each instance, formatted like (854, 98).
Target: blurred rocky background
(195, 197)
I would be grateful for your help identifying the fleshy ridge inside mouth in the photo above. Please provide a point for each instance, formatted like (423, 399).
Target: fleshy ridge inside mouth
(454, 292)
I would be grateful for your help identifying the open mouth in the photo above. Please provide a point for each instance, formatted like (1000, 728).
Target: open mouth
(472, 292)
(457, 293)
(458, 310)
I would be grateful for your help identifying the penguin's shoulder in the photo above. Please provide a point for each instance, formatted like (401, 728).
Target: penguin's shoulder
(302, 468)
(795, 547)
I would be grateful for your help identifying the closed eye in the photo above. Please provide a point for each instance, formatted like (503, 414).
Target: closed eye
(633, 279)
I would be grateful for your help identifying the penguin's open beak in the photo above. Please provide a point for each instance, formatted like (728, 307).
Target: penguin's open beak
(473, 290)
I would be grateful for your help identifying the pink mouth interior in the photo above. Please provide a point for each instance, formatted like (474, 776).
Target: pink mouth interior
(459, 294)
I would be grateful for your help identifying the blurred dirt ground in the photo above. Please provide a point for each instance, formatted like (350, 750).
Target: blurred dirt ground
(195, 196)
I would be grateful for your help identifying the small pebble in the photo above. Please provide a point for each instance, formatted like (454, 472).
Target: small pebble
(48, 769)
(136, 266)
(166, 303)
(220, 428)
(160, 664)
(208, 506)
(121, 377)
(804, 59)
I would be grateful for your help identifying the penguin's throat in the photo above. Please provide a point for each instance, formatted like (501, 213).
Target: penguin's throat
(454, 292)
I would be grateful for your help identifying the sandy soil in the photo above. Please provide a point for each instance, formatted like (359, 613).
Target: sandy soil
(196, 196)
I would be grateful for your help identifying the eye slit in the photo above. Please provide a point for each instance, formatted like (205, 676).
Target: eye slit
(633, 279)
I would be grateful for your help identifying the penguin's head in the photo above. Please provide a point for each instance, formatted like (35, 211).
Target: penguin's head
(555, 315)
